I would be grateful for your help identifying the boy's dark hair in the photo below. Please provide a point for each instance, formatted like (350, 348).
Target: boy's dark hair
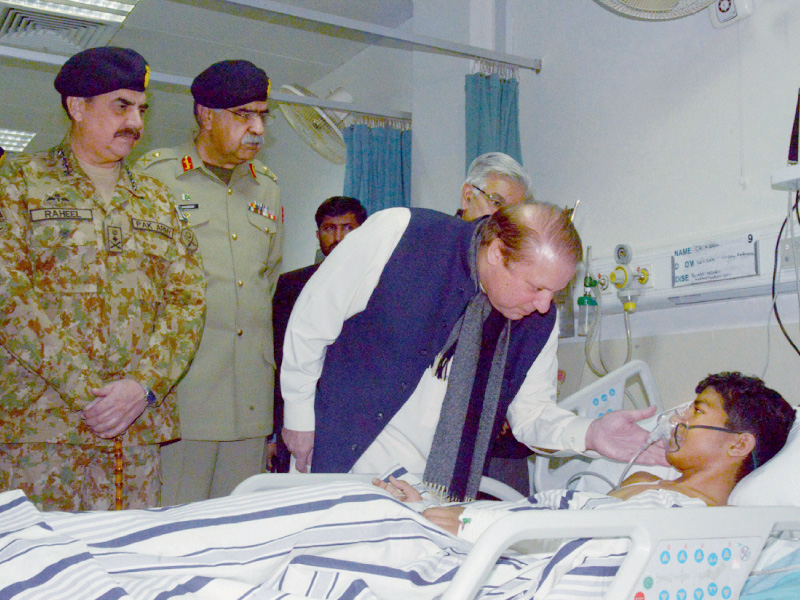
(336, 206)
(753, 407)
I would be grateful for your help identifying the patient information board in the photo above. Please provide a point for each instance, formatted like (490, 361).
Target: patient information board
(716, 260)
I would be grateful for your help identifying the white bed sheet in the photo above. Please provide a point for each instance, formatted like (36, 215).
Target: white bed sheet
(337, 541)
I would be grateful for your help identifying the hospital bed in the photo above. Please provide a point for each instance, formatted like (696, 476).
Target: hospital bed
(686, 554)
(250, 545)
(766, 504)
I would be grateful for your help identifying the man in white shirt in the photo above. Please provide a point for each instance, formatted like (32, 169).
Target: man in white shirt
(369, 358)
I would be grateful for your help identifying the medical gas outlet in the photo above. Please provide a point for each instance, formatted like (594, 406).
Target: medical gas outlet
(627, 293)
(629, 282)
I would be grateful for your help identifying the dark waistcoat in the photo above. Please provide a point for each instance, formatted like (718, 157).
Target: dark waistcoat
(382, 352)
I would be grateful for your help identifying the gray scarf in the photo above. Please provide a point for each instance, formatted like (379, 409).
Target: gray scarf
(458, 453)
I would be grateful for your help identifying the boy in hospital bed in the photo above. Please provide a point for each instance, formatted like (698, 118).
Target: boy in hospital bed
(735, 424)
(357, 541)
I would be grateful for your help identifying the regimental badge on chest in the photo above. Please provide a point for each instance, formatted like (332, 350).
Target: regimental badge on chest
(57, 199)
(113, 237)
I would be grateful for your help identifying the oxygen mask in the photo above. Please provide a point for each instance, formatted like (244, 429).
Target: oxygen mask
(666, 422)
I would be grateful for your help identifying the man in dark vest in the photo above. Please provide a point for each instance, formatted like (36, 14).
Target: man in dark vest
(336, 217)
(417, 337)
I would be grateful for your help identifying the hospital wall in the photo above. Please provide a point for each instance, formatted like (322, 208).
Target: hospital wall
(667, 132)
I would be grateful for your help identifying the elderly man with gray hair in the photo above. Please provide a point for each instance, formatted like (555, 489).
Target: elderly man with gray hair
(494, 180)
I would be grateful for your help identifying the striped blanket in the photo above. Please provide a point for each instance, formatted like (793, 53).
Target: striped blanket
(338, 541)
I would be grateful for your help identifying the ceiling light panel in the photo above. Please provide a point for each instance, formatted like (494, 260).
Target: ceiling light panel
(15, 141)
(99, 10)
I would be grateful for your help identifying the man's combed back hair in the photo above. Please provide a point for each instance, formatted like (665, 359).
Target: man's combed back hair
(336, 206)
(753, 407)
(498, 164)
(526, 229)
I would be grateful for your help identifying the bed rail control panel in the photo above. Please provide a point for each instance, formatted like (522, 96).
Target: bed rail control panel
(708, 569)
(607, 393)
(594, 400)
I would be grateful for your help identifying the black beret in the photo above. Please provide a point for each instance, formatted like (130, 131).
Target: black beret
(101, 70)
(230, 83)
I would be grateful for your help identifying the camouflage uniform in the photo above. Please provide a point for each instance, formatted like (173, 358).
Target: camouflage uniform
(92, 292)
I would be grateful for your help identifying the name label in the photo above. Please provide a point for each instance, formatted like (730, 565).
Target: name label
(153, 227)
(726, 258)
(46, 214)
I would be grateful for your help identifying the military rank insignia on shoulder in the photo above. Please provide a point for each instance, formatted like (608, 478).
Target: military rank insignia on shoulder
(148, 158)
(264, 170)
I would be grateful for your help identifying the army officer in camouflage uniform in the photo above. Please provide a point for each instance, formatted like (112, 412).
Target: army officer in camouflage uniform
(101, 300)
(232, 202)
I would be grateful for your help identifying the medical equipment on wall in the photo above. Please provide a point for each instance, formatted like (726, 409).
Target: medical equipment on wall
(629, 284)
(587, 308)
(791, 256)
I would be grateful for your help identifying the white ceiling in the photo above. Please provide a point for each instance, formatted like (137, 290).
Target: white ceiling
(181, 38)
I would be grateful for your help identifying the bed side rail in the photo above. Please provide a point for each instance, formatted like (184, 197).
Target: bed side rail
(652, 533)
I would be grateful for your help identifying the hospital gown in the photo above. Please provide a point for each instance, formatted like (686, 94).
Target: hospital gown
(335, 541)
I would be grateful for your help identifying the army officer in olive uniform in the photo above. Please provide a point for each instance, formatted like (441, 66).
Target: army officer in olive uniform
(232, 202)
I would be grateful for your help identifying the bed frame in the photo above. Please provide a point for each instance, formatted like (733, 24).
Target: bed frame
(679, 554)
(657, 536)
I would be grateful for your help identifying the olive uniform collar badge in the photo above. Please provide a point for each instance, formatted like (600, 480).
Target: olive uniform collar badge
(186, 163)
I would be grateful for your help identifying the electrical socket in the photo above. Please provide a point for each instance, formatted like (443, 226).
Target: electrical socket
(787, 254)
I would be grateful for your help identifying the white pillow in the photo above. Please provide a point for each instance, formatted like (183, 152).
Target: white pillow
(777, 482)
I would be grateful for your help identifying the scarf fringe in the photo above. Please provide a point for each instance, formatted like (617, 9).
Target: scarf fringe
(443, 495)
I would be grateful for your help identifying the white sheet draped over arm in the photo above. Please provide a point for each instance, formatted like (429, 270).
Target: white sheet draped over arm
(339, 289)
(535, 418)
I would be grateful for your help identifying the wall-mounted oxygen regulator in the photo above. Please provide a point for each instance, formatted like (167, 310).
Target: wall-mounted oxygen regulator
(629, 282)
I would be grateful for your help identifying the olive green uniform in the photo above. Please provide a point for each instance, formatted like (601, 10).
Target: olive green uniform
(227, 394)
(90, 292)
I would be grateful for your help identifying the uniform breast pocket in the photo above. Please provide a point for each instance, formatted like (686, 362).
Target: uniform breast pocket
(197, 217)
(267, 226)
(64, 254)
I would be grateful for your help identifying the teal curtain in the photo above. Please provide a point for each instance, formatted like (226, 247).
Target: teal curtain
(492, 116)
(378, 168)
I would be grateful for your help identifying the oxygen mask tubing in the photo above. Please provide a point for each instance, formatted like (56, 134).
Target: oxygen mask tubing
(666, 424)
